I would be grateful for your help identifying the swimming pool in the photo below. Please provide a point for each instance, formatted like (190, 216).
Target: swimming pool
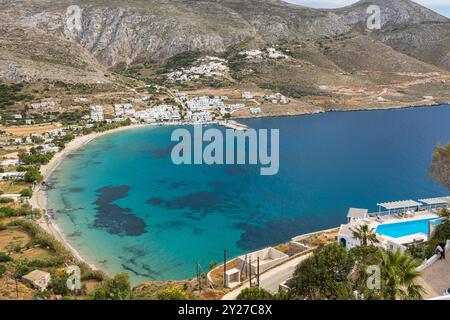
(401, 229)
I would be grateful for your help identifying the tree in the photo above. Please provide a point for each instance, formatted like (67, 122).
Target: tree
(440, 165)
(254, 294)
(174, 294)
(33, 175)
(442, 232)
(324, 275)
(398, 275)
(445, 212)
(365, 257)
(364, 234)
(59, 285)
(27, 192)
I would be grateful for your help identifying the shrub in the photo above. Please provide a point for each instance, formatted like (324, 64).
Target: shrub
(4, 257)
(421, 251)
(27, 192)
(254, 294)
(174, 294)
(6, 200)
(325, 275)
(59, 285)
(118, 288)
(442, 232)
(35, 158)
(33, 175)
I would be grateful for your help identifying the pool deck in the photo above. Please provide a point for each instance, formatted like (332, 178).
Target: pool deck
(374, 222)
(416, 237)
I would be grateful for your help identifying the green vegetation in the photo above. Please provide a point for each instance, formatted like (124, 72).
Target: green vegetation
(291, 90)
(103, 126)
(427, 250)
(398, 275)
(117, 288)
(365, 235)
(6, 200)
(254, 294)
(324, 275)
(4, 257)
(181, 60)
(35, 158)
(9, 94)
(59, 285)
(24, 210)
(174, 294)
(33, 174)
(440, 166)
(27, 192)
(333, 273)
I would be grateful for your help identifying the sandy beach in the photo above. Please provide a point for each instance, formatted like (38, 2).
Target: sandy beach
(39, 198)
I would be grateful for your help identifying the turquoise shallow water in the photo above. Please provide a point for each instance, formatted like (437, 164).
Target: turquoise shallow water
(124, 205)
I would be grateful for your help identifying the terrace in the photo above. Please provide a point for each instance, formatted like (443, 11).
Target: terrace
(400, 224)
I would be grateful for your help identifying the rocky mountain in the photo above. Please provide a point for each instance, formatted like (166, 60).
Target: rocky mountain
(47, 39)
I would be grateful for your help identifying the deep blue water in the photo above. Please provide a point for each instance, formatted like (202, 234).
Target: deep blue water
(121, 199)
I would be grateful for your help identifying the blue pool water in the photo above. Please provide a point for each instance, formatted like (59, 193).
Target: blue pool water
(401, 229)
(125, 206)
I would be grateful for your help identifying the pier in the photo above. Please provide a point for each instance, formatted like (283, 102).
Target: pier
(234, 125)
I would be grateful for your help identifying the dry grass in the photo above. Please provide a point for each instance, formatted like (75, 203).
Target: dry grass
(23, 131)
(9, 187)
(151, 289)
(34, 254)
(13, 236)
(91, 285)
(8, 290)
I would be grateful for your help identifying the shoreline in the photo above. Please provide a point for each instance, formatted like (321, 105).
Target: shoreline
(40, 199)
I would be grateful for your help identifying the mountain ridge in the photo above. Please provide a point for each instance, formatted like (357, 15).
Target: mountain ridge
(115, 31)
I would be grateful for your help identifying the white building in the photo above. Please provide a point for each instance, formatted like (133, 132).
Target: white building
(39, 279)
(247, 95)
(273, 53)
(159, 113)
(211, 67)
(256, 110)
(200, 117)
(9, 162)
(97, 113)
(57, 133)
(205, 103)
(46, 148)
(12, 175)
(44, 104)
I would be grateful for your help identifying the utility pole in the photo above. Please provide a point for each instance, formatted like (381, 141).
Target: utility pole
(224, 267)
(257, 273)
(250, 266)
(199, 277)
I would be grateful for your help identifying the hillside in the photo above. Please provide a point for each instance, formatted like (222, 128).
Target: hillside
(334, 60)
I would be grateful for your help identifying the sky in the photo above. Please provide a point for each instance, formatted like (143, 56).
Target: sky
(441, 6)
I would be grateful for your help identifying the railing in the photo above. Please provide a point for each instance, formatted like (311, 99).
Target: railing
(434, 210)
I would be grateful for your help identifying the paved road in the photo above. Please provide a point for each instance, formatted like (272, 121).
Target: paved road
(271, 279)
